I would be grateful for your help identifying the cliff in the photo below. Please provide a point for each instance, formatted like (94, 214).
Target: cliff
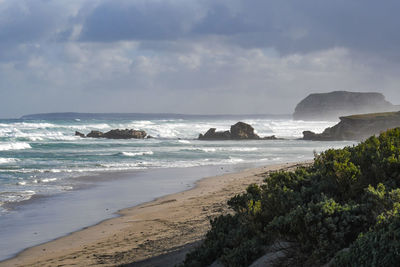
(330, 106)
(357, 127)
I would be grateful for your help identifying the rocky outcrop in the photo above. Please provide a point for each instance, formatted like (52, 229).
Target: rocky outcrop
(212, 134)
(357, 127)
(125, 134)
(243, 130)
(238, 131)
(331, 106)
(95, 134)
(116, 134)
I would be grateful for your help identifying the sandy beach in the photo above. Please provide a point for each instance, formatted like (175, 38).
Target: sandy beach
(151, 229)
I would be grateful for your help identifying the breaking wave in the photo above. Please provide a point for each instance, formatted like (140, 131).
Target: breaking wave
(14, 146)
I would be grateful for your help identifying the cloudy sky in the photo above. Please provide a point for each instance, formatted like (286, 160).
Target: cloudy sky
(192, 56)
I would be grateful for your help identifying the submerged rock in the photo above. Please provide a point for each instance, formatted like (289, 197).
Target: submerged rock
(357, 127)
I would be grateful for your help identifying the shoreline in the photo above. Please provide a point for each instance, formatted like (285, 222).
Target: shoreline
(146, 230)
(46, 218)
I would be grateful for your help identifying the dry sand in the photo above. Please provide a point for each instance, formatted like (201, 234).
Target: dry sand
(162, 226)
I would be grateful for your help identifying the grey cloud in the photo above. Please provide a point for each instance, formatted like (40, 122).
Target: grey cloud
(26, 21)
(120, 55)
(122, 20)
(289, 26)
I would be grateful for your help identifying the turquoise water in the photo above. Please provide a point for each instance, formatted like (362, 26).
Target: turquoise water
(43, 157)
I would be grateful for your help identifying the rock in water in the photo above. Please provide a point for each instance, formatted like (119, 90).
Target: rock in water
(125, 134)
(118, 134)
(331, 106)
(212, 134)
(243, 130)
(239, 131)
(95, 134)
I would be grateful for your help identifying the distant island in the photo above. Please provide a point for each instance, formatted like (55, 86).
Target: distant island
(331, 106)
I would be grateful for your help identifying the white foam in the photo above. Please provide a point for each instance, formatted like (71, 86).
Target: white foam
(14, 146)
(133, 154)
(28, 125)
(235, 160)
(47, 180)
(244, 149)
(271, 159)
(211, 149)
(16, 196)
(203, 149)
(88, 126)
(44, 135)
(8, 160)
(35, 125)
(184, 141)
(215, 149)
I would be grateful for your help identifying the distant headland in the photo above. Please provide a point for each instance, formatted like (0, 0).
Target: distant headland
(357, 127)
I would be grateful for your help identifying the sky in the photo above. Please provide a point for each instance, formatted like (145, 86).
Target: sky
(192, 56)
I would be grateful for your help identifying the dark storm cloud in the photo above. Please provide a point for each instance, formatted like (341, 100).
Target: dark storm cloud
(361, 25)
(122, 20)
(26, 21)
(289, 26)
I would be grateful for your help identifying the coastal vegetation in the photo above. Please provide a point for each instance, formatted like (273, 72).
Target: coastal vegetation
(342, 210)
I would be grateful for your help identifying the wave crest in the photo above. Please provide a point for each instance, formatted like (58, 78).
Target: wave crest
(14, 146)
(134, 154)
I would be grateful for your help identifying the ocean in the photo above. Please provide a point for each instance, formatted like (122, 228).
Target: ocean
(44, 167)
(42, 157)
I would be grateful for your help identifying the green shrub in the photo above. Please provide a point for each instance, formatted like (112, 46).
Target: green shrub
(320, 229)
(240, 203)
(378, 247)
(349, 197)
(231, 240)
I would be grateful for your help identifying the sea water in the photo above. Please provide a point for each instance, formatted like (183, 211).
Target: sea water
(53, 182)
(44, 157)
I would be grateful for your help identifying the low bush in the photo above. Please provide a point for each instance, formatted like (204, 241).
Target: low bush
(348, 197)
(378, 247)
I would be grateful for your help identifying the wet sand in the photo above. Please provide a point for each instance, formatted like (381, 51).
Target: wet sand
(165, 225)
